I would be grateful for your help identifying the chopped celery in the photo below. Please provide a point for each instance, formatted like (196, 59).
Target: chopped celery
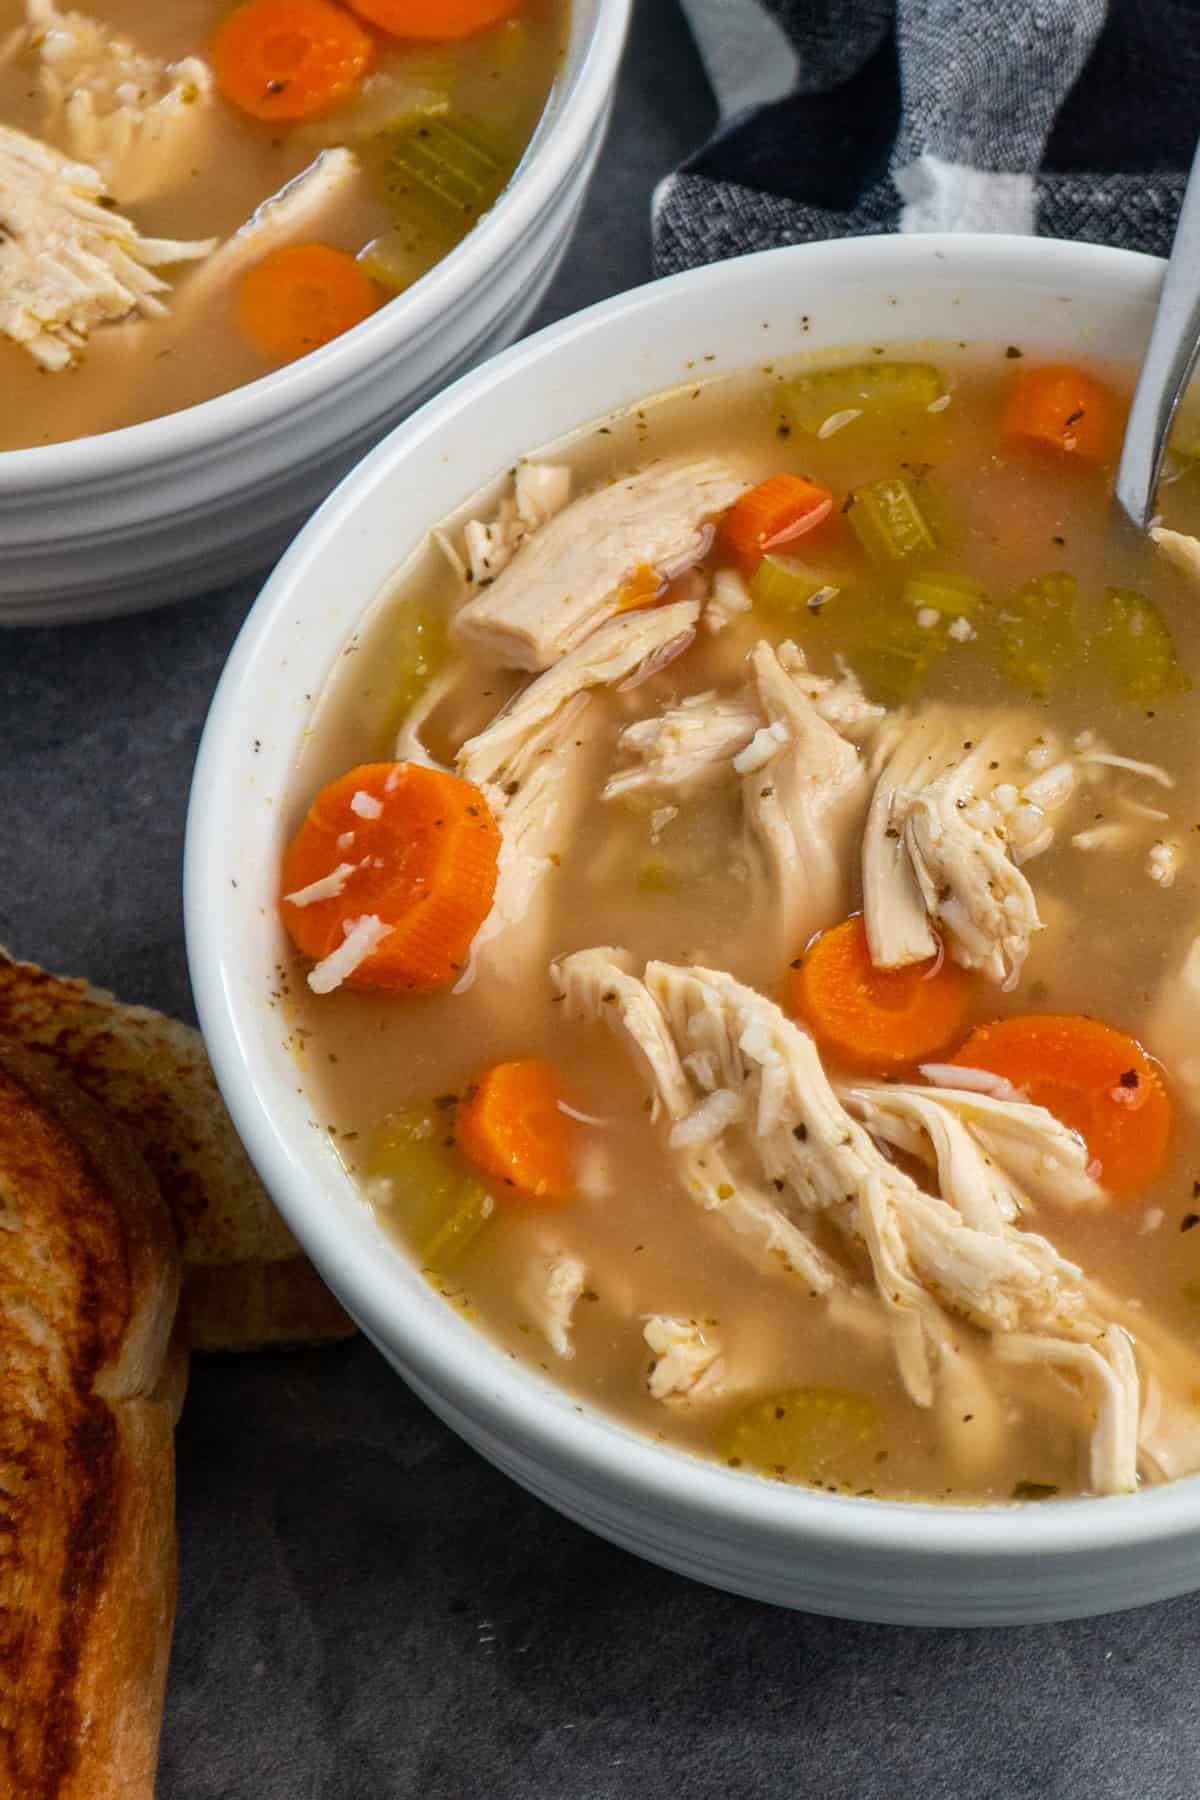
(953, 596)
(418, 652)
(442, 1208)
(445, 169)
(654, 877)
(871, 388)
(887, 520)
(802, 1433)
(1039, 643)
(1137, 645)
(882, 642)
(785, 584)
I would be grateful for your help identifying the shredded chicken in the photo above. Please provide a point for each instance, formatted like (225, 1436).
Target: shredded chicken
(1173, 1031)
(684, 749)
(549, 1293)
(526, 763)
(989, 1152)
(690, 746)
(1178, 548)
(539, 491)
(599, 985)
(804, 804)
(930, 1262)
(68, 262)
(686, 1365)
(133, 118)
(935, 851)
(567, 578)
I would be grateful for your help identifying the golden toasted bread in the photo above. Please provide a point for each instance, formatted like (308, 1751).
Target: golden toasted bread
(89, 1386)
(152, 1074)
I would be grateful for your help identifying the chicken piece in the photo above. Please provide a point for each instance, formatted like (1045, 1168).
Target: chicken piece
(694, 744)
(549, 1293)
(989, 1153)
(1179, 548)
(686, 1365)
(134, 118)
(68, 263)
(539, 491)
(625, 647)
(568, 577)
(804, 804)
(935, 851)
(599, 985)
(929, 1262)
(292, 215)
(1107, 1369)
(1173, 1032)
(685, 749)
(525, 761)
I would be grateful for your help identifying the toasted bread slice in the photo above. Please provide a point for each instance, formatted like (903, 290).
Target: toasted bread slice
(153, 1075)
(89, 1281)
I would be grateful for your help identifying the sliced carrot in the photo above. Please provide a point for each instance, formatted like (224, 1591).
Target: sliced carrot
(1095, 1079)
(418, 850)
(300, 297)
(644, 588)
(778, 510)
(288, 59)
(878, 1019)
(1062, 409)
(435, 20)
(512, 1127)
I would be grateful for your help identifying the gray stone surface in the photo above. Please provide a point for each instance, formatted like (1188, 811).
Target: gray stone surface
(369, 1612)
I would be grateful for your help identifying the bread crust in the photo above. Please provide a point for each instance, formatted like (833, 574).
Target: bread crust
(152, 1074)
(89, 1283)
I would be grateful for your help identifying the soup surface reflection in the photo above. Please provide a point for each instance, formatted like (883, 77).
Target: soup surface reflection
(793, 1052)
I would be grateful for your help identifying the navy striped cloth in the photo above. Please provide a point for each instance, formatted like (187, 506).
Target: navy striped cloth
(1071, 118)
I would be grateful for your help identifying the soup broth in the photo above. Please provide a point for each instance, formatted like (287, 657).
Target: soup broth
(663, 1282)
(417, 146)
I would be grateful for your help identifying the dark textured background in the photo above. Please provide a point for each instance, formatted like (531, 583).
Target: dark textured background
(367, 1611)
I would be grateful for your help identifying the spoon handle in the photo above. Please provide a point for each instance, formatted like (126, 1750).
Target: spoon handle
(1169, 360)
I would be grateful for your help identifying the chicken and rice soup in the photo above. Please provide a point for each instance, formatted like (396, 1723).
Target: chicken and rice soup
(192, 195)
(744, 889)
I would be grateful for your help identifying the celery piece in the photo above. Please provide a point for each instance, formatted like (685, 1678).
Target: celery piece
(953, 596)
(801, 1433)
(875, 389)
(446, 169)
(401, 255)
(1137, 646)
(889, 652)
(785, 584)
(1038, 639)
(417, 652)
(442, 1208)
(887, 520)
(654, 877)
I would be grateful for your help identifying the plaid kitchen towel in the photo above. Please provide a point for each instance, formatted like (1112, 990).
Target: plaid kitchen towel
(1072, 118)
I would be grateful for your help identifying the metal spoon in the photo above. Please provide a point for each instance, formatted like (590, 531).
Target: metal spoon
(1170, 358)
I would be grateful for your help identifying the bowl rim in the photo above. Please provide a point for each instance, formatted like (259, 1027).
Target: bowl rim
(454, 1359)
(561, 139)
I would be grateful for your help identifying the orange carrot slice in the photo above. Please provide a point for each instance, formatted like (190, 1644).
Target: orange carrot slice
(300, 297)
(288, 59)
(1095, 1079)
(1062, 409)
(877, 1019)
(512, 1127)
(436, 21)
(416, 850)
(778, 510)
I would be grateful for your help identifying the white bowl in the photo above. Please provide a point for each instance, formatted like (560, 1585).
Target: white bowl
(858, 1558)
(179, 505)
